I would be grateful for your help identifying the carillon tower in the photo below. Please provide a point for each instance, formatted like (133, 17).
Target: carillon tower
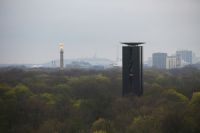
(132, 61)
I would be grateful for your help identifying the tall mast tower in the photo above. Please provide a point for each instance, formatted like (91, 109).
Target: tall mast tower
(61, 45)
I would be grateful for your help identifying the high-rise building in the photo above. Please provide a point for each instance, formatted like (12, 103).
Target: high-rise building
(159, 60)
(132, 69)
(61, 55)
(171, 62)
(185, 56)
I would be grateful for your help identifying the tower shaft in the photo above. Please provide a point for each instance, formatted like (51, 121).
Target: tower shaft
(61, 59)
(132, 69)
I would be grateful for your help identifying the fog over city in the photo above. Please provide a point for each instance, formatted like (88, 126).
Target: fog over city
(31, 30)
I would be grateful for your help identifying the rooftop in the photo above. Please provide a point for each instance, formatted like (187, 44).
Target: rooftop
(132, 43)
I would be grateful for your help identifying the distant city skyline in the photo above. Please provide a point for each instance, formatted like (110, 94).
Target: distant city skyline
(180, 59)
(32, 30)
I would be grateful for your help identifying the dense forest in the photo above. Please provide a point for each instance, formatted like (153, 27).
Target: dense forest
(89, 101)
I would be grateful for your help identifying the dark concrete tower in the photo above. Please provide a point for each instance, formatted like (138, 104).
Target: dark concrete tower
(61, 55)
(132, 63)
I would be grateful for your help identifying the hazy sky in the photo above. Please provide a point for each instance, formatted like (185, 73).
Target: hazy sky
(30, 30)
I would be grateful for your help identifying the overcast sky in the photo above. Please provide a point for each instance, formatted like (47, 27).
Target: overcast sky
(30, 30)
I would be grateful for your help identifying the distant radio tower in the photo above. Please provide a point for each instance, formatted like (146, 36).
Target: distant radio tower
(61, 45)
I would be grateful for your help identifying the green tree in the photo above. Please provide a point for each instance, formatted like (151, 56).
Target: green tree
(145, 124)
(194, 115)
(102, 125)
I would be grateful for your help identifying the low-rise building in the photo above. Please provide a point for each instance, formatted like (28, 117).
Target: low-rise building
(171, 62)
